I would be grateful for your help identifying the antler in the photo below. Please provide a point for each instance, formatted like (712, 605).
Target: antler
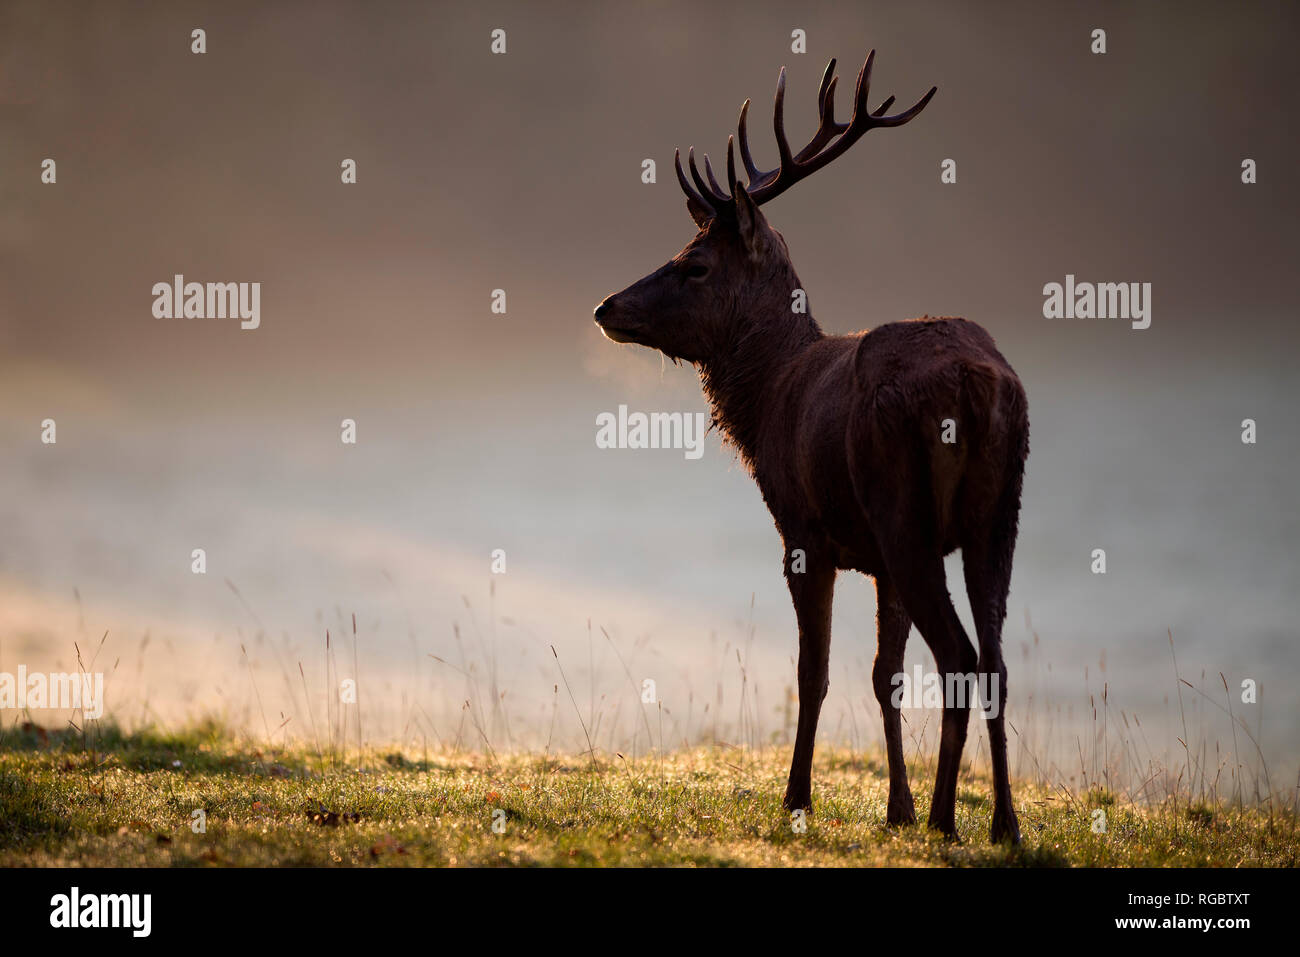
(791, 168)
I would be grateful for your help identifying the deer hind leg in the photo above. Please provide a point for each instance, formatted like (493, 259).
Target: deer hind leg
(892, 626)
(917, 571)
(811, 590)
(987, 564)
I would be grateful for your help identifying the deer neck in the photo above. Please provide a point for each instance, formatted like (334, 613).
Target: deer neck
(739, 379)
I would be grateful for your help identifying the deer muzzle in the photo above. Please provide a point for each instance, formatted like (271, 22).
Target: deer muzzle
(614, 328)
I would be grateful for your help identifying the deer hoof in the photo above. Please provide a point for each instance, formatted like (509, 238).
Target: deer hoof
(797, 802)
(900, 812)
(1005, 827)
(947, 828)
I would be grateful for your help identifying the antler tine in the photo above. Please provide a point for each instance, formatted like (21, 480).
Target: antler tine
(778, 126)
(828, 79)
(863, 89)
(878, 111)
(731, 165)
(828, 107)
(751, 170)
(711, 198)
(686, 187)
(713, 183)
(898, 119)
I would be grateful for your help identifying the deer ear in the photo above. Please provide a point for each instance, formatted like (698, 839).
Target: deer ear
(749, 221)
(699, 214)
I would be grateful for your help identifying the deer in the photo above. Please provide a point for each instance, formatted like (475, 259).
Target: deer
(879, 452)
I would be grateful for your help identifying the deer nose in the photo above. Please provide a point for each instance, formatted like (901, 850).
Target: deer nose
(601, 309)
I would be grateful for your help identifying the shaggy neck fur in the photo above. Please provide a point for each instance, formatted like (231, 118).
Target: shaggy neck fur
(741, 372)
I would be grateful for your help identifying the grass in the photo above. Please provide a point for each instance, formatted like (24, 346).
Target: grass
(126, 800)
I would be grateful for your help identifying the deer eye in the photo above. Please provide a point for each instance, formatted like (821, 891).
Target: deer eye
(697, 271)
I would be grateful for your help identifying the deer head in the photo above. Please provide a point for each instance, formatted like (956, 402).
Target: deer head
(737, 271)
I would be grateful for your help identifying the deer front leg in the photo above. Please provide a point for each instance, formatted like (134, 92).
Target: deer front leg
(812, 584)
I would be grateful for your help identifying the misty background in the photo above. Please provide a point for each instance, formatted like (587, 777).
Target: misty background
(476, 431)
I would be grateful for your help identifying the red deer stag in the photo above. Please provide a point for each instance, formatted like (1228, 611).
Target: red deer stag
(849, 441)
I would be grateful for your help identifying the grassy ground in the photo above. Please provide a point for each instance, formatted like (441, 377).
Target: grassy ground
(130, 800)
